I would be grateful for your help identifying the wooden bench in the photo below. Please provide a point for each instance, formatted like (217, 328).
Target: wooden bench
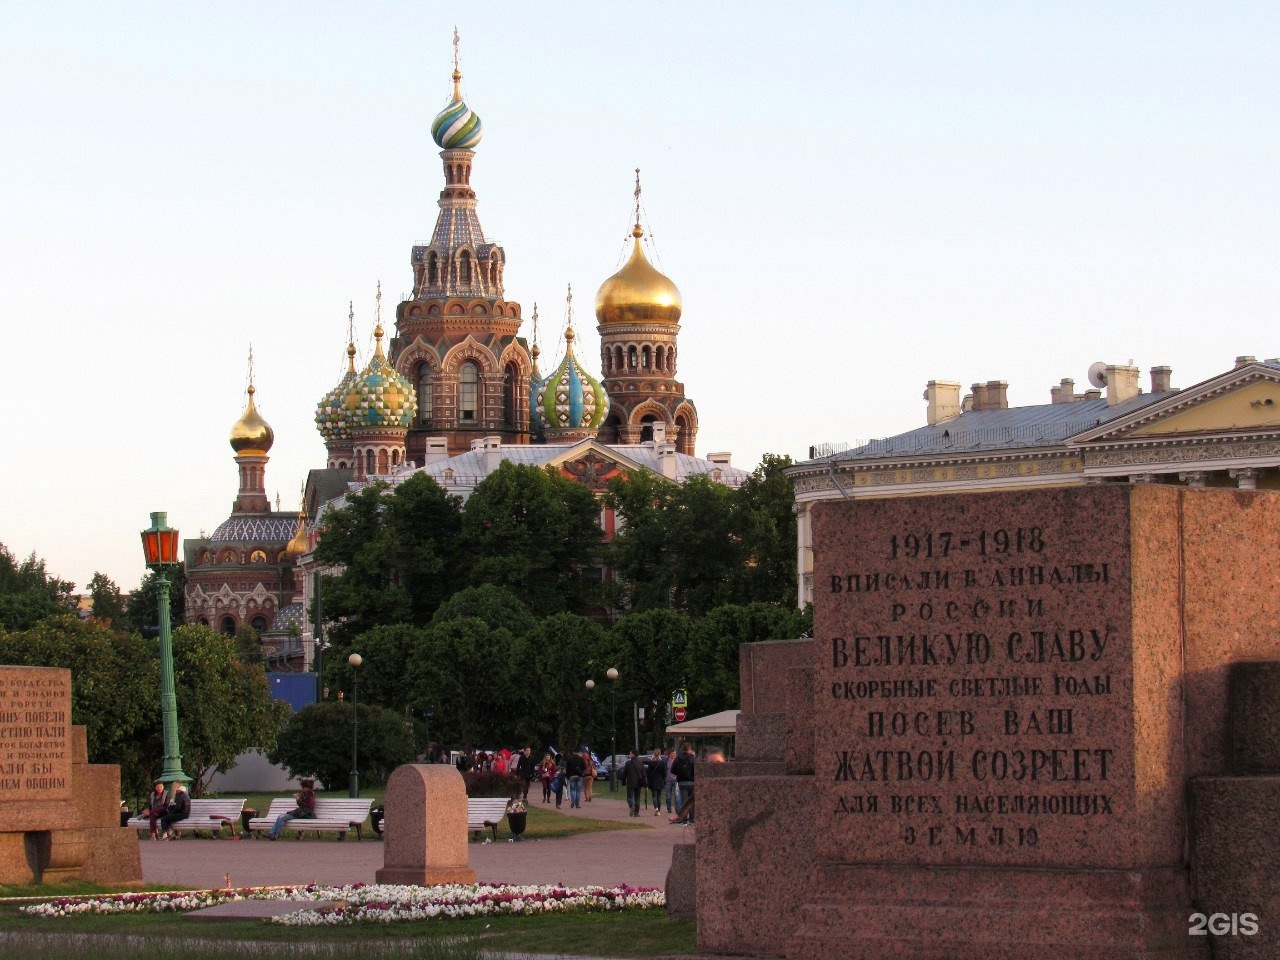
(210, 815)
(332, 813)
(485, 813)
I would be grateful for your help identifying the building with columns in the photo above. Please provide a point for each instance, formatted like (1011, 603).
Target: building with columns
(1222, 432)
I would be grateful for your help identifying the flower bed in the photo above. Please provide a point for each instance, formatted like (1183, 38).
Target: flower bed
(374, 903)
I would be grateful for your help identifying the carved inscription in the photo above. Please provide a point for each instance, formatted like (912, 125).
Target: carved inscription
(35, 729)
(977, 681)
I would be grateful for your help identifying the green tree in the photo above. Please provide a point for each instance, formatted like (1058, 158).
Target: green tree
(568, 650)
(397, 548)
(316, 741)
(28, 593)
(641, 553)
(496, 606)
(386, 652)
(115, 685)
(108, 605)
(767, 527)
(224, 704)
(140, 609)
(713, 652)
(653, 647)
(537, 533)
(248, 646)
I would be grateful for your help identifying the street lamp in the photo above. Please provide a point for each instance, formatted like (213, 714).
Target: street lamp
(160, 546)
(353, 786)
(591, 709)
(612, 674)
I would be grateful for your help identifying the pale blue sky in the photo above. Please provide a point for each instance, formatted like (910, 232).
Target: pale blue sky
(853, 198)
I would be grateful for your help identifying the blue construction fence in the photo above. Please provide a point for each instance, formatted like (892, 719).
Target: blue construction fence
(296, 689)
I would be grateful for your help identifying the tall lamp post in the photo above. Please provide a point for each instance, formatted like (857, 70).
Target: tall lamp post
(160, 546)
(591, 711)
(612, 674)
(353, 786)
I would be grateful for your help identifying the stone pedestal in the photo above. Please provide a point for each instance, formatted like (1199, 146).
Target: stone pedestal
(681, 887)
(425, 828)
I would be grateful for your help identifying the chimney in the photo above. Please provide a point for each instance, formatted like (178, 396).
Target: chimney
(659, 434)
(998, 394)
(490, 451)
(1244, 361)
(435, 451)
(1122, 384)
(722, 458)
(967, 403)
(1064, 392)
(943, 398)
(1161, 378)
(979, 393)
(666, 458)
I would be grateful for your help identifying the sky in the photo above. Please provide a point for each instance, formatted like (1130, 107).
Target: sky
(853, 198)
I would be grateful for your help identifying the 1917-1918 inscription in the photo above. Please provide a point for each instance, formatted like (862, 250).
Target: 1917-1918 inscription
(975, 685)
(35, 730)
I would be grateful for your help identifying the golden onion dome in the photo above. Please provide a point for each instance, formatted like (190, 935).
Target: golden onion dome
(638, 293)
(298, 545)
(251, 433)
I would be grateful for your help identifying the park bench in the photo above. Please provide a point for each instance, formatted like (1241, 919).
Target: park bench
(332, 813)
(210, 815)
(485, 813)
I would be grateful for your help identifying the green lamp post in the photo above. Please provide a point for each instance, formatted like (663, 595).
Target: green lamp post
(160, 546)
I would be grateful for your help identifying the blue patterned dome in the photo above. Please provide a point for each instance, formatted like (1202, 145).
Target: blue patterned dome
(570, 400)
(456, 127)
(380, 397)
(260, 528)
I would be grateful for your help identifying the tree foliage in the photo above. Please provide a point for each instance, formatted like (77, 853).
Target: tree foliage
(537, 533)
(316, 741)
(397, 549)
(29, 593)
(140, 610)
(108, 604)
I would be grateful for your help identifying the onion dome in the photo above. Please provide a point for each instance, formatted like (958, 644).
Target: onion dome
(333, 416)
(456, 127)
(638, 293)
(251, 434)
(299, 544)
(570, 399)
(380, 397)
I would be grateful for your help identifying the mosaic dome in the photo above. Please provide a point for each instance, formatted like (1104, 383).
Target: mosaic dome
(380, 397)
(333, 417)
(269, 528)
(456, 127)
(251, 434)
(569, 398)
(638, 293)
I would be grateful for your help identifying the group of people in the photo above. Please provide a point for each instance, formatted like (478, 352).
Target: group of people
(165, 808)
(664, 775)
(575, 773)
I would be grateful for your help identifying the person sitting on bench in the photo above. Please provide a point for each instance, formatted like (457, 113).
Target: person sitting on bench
(306, 809)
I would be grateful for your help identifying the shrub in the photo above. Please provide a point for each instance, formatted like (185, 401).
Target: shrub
(486, 783)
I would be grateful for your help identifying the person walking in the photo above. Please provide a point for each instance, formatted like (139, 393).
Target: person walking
(655, 770)
(305, 810)
(576, 768)
(672, 787)
(683, 769)
(589, 775)
(178, 809)
(546, 773)
(527, 771)
(634, 779)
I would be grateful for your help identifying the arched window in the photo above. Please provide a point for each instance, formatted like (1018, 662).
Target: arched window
(258, 623)
(646, 428)
(645, 357)
(617, 359)
(368, 462)
(424, 393)
(631, 357)
(660, 357)
(510, 402)
(468, 391)
(229, 626)
(204, 621)
(464, 267)
(395, 457)
(383, 465)
(609, 432)
(683, 437)
(433, 269)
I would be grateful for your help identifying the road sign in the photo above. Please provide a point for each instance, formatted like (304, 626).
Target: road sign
(680, 714)
(680, 698)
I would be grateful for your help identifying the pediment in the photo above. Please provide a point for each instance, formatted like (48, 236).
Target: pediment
(1241, 401)
(593, 464)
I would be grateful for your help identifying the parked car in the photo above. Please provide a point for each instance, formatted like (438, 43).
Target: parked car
(605, 765)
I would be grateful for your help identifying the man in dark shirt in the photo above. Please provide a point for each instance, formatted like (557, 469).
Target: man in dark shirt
(576, 768)
(683, 769)
(526, 770)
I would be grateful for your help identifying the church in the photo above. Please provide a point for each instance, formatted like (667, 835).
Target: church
(455, 391)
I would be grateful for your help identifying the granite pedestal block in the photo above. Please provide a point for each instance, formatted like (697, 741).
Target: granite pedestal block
(425, 828)
(681, 887)
(1255, 717)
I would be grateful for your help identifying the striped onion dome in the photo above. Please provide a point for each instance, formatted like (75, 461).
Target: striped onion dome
(570, 400)
(457, 127)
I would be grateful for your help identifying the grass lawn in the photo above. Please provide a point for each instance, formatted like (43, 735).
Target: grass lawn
(161, 936)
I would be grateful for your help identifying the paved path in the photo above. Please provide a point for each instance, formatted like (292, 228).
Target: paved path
(637, 857)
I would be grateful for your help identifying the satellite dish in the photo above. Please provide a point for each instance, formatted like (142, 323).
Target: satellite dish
(1098, 374)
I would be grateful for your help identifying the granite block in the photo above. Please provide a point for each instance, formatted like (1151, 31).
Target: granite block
(799, 751)
(760, 736)
(762, 671)
(111, 856)
(1235, 861)
(79, 743)
(425, 828)
(754, 868)
(1255, 717)
(682, 886)
(97, 794)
